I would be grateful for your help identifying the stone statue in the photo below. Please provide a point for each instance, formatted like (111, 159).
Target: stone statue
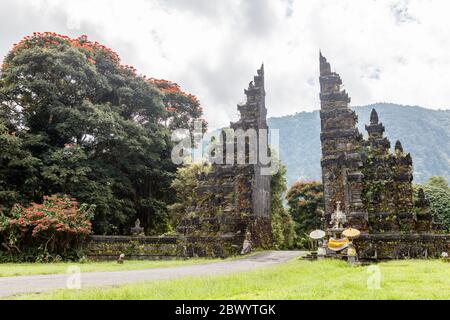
(121, 259)
(137, 230)
(338, 218)
(322, 250)
(422, 201)
(247, 246)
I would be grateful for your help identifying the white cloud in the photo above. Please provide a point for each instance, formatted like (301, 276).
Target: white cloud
(393, 50)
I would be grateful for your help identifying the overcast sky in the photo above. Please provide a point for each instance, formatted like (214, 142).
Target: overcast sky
(385, 50)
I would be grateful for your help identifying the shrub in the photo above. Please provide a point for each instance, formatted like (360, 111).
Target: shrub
(305, 200)
(439, 204)
(52, 230)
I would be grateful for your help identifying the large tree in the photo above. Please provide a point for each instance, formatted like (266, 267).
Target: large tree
(96, 127)
(18, 170)
(183, 109)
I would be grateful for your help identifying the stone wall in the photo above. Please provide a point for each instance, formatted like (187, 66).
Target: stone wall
(135, 248)
(388, 246)
(104, 248)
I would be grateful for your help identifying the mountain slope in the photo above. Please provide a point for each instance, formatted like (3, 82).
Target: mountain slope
(423, 132)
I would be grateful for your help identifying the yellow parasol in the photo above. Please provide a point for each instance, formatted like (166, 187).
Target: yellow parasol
(351, 233)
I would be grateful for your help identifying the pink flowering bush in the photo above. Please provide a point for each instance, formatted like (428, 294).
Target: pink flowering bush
(55, 227)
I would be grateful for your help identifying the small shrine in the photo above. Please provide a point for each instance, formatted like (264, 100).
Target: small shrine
(336, 241)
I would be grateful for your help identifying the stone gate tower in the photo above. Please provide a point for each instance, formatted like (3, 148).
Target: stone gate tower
(341, 162)
(372, 185)
(232, 202)
(253, 116)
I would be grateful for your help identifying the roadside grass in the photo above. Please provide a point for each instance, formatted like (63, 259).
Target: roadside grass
(26, 269)
(330, 280)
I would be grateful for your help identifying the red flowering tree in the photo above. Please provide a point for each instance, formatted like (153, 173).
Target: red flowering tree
(54, 40)
(97, 129)
(54, 227)
(182, 108)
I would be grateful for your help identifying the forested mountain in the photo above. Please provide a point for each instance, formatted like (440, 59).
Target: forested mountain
(423, 132)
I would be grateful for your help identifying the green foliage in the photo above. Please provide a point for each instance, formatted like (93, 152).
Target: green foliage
(439, 198)
(305, 200)
(187, 180)
(438, 182)
(48, 231)
(67, 168)
(283, 226)
(18, 169)
(182, 108)
(74, 120)
(423, 132)
(184, 185)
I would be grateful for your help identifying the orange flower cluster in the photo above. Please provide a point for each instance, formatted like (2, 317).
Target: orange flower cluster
(52, 39)
(169, 87)
(166, 86)
(49, 39)
(55, 215)
(129, 68)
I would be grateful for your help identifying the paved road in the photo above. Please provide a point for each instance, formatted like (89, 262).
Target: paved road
(40, 283)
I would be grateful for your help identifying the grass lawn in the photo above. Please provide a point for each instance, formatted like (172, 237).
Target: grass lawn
(26, 269)
(407, 279)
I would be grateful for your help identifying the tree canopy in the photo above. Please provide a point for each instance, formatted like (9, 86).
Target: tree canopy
(75, 120)
(438, 182)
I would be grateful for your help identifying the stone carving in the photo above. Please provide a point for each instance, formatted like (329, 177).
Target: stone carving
(247, 246)
(422, 201)
(137, 230)
(338, 218)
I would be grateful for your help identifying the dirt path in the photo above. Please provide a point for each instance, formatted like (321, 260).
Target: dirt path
(40, 283)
